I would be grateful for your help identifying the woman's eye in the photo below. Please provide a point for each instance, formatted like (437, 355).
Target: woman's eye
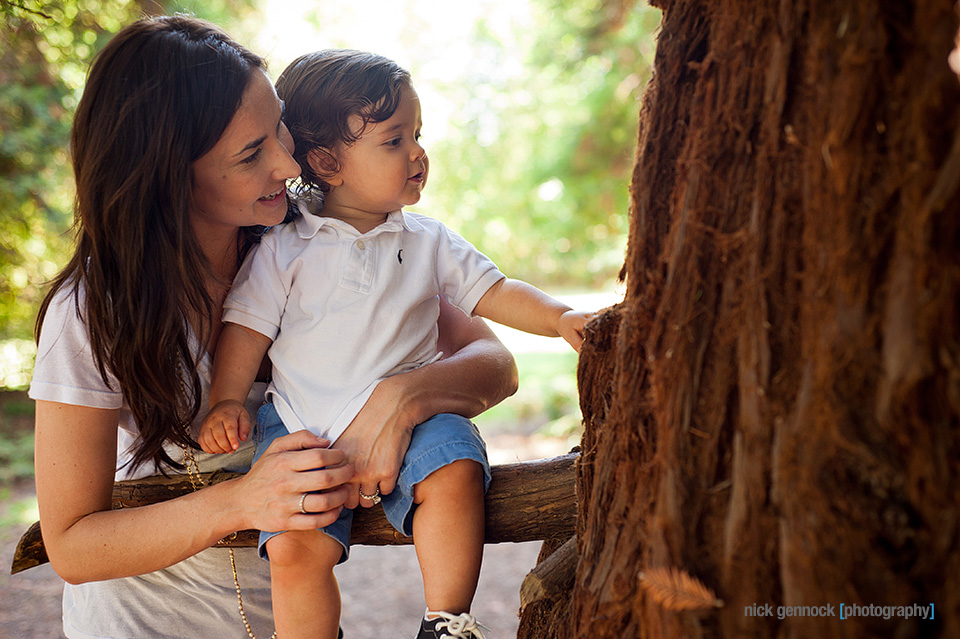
(250, 159)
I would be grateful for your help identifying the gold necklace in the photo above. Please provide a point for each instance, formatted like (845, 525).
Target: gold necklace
(196, 481)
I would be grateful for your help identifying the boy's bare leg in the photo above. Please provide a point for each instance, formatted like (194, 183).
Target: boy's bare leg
(306, 597)
(448, 535)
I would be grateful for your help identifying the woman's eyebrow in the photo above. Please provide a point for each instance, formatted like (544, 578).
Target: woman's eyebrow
(252, 145)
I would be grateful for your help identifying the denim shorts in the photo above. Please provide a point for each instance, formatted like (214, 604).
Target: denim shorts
(437, 442)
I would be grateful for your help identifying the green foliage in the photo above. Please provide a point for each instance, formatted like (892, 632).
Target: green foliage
(16, 457)
(45, 50)
(44, 47)
(546, 400)
(537, 166)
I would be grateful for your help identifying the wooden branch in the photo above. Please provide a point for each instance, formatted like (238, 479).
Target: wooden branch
(552, 577)
(527, 501)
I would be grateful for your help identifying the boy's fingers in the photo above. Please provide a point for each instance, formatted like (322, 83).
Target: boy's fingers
(233, 438)
(223, 441)
(244, 423)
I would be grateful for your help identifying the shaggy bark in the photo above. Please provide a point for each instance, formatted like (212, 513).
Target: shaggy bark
(775, 407)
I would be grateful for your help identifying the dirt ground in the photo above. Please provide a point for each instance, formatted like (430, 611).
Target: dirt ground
(389, 576)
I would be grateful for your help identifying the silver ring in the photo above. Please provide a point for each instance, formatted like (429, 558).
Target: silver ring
(375, 497)
(302, 497)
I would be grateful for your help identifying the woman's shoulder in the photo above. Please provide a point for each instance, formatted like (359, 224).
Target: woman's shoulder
(65, 369)
(65, 307)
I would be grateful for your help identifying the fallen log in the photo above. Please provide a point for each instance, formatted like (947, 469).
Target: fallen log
(527, 501)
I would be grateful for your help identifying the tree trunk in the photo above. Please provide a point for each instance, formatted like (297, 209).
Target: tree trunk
(774, 409)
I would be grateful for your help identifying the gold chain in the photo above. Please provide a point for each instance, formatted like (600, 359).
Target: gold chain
(196, 481)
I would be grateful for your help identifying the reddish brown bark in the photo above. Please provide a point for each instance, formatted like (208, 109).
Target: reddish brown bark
(775, 407)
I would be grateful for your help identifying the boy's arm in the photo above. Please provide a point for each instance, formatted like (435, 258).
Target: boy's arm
(240, 352)
(525, 307)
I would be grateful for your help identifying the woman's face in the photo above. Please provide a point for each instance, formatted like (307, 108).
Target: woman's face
(242, 180)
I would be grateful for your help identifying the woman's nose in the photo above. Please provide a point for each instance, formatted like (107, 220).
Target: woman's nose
(285, 167)
(290, 168)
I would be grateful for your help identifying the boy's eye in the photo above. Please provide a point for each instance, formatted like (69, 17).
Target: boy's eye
(394, 142)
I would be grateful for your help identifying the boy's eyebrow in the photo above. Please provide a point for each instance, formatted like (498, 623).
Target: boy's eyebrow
(390, 130)
(252, 145)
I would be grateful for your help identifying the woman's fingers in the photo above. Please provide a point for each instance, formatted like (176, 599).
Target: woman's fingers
(300, 440)
(303, 451)
(387, 484)
(369, 495)
(323, 478)
(353, 496)
(298, 469)
(316, 510)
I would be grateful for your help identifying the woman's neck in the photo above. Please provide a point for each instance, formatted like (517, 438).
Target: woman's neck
(221, 246)
(222, 251)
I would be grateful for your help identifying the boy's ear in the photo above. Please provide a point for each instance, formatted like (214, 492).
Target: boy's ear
(324, 165)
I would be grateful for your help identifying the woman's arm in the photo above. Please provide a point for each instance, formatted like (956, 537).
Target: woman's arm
(87, 541)
(477, 373)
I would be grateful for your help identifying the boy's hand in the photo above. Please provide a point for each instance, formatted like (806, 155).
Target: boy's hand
(225, 426)
(570, 327)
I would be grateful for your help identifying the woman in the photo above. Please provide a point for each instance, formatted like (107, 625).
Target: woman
(179, 154)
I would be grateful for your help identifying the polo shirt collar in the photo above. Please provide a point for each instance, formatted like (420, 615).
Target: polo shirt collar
(308, 224)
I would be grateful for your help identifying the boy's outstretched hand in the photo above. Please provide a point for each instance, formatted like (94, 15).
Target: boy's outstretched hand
(570, 327)
(225, 426)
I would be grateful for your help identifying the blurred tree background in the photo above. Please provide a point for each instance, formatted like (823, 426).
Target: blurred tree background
(45, 50)
(531, 160)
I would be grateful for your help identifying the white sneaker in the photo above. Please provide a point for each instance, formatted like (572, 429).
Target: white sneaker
(443, 625)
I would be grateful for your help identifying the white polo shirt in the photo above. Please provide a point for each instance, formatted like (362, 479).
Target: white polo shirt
(346, 310)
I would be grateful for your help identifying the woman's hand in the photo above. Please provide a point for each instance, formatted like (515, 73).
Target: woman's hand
(376, 441)
(87, 540)
(477, 373)
(288, 476)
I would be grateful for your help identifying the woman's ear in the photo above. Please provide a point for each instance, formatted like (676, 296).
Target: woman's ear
(325, 165)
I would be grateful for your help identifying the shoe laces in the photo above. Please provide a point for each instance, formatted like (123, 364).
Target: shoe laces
(463, 626)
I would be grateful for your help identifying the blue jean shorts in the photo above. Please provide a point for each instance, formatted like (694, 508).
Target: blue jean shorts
(437, 442)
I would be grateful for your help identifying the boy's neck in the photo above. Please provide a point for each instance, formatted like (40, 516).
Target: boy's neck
(363, 221)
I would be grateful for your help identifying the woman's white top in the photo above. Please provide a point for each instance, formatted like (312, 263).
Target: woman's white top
(194, 598)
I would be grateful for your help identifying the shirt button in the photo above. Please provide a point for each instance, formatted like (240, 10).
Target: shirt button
(361, 245)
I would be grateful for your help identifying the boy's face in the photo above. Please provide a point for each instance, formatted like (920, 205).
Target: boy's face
(383, 171)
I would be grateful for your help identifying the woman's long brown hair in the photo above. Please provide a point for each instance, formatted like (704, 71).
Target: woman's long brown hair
(158, 97)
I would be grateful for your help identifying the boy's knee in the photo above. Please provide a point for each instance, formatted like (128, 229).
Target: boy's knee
(453, 481)
(309, 549)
